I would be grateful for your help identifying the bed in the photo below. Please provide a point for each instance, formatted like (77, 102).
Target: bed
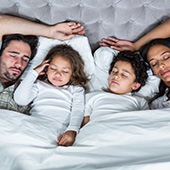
(137, 140)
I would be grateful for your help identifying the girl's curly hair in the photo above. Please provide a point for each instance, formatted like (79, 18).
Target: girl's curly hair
(137, 63)
(79, 77)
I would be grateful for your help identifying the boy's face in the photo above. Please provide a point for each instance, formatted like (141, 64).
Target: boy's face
(122, 78)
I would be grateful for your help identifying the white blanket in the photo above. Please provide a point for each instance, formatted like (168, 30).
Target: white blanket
(124, 141)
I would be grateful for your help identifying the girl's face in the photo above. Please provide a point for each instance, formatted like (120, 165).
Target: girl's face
(158, 57)
(59, 71)
(122, 78)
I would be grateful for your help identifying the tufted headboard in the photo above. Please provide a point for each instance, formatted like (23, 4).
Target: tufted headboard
(125, 19)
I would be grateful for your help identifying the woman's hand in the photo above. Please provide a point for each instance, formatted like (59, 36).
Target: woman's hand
(117, 44)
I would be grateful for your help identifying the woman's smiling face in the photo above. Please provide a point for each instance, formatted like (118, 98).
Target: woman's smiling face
(158, 57)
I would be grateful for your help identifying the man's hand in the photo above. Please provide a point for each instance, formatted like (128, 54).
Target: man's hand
(67, 30)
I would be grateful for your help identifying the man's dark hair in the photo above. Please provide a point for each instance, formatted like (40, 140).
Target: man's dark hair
(137, 63)
(31, 40)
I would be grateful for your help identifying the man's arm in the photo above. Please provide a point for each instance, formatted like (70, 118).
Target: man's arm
(161, 31)
(61, 31)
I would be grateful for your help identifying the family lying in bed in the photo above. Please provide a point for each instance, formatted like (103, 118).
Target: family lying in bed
(68, 80)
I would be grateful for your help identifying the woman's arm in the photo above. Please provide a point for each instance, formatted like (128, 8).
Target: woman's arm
(161, 31)
(61, 31)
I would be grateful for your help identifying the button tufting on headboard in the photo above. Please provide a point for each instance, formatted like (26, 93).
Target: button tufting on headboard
(126, 19)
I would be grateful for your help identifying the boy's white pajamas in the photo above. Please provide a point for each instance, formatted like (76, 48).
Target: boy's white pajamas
(101, 102)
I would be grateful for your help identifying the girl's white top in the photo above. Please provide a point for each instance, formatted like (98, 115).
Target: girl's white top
(65, 105)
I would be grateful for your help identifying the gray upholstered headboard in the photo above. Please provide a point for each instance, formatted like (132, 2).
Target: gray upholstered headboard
(126, 19)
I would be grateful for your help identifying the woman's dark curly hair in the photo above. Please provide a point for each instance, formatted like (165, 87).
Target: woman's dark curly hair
(144, 51)
(79, 77)
(137, 63)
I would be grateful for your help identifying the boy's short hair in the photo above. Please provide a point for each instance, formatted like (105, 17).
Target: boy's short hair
(137, 63)
(31, 40)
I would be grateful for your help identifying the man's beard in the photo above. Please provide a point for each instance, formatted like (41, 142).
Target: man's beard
(9, 77)
(6, 75)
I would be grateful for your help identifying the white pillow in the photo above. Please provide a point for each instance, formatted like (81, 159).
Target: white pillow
(79, 43)
(103, 57)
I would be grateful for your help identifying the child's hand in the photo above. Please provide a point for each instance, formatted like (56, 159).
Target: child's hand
(40, 68)
(86, 119)
(67, 138)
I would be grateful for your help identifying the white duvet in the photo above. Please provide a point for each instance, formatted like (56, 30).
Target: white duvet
(124, 141)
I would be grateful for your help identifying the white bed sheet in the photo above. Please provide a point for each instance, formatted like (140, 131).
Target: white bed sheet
(124, 141)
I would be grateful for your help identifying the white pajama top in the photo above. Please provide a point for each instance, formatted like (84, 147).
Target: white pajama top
(101, 102)
(64, 105)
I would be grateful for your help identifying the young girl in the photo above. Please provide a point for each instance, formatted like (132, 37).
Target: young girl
(58, 93)
(157, 54)
(126, 75)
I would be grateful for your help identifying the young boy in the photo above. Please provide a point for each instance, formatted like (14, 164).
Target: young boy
(127, 75)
